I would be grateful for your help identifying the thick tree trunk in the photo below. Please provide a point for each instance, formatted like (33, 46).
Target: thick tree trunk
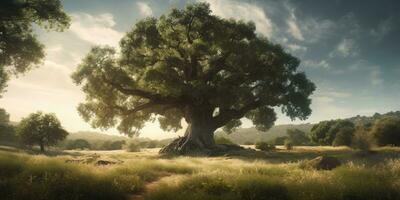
(199, 135)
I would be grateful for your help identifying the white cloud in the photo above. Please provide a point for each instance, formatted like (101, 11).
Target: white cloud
(336, 94)
(293, 28)
(243, 11)
(296, 48)
(316, 64)
(95, 29)
(346, 48)
(144, 9)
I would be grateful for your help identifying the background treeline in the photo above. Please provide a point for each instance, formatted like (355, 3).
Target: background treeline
(22, 135)
(359, 132)
(100, 141)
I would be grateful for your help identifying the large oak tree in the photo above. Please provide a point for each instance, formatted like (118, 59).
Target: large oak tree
(20, 49)
(192, 65)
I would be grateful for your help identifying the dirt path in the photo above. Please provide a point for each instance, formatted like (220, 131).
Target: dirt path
(152, 186)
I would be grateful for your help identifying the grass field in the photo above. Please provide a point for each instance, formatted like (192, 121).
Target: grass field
(147, 175)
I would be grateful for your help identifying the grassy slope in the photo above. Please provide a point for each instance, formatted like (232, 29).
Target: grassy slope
(275, 175)
(242, 135)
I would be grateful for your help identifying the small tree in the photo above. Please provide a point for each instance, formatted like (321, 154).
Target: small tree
(386, 131)
(41, 129)
(344, 137)
(361, 140)
(288, 144)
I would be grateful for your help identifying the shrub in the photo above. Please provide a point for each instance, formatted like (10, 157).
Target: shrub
(133, 146)
(112, 145)
(222, 140)
(78, 144)
(288, 144)
(264, 146)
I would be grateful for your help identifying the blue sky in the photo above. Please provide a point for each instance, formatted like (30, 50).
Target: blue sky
(350, 49)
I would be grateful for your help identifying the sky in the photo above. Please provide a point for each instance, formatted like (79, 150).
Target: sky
(348, 48)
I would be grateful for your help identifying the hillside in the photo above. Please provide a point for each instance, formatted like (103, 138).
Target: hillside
(95, 136)
(242, 135)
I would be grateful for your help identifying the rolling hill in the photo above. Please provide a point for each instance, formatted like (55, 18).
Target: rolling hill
(242, 135)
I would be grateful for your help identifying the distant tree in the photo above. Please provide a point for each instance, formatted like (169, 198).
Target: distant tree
(280, 140)
(264, 146)
(288, 144)
(4, 117)
(362, 139)
(194, 65)
(133, 146)
(344, 136)
(113, 145)
(320, 131)
(19, 48)
(297, 137)
(7, 131)
(41, 129)
(386, 131)
(78, 144)
(324, 133)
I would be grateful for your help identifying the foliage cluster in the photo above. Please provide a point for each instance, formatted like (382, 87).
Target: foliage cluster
(264, 146)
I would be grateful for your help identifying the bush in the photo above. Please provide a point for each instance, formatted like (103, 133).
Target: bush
(112, 145)
(133, 146)
(222, 140)
(78, 144)
(264, 146)
(288, 144)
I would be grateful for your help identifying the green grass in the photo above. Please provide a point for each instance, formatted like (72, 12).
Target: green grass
(264, 176)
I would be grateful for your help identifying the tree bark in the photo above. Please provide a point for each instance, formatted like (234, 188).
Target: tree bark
(199, 135)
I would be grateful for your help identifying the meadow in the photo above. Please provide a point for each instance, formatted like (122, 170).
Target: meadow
(279, 174)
